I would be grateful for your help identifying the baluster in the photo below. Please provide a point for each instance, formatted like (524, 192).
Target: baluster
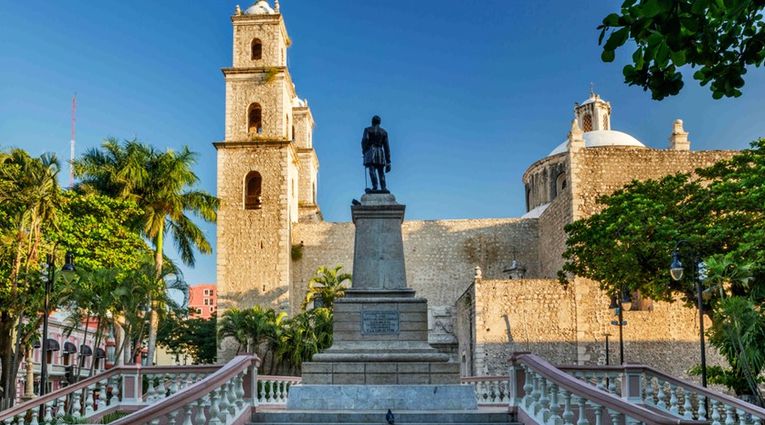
(611, 382)
(89, 402)
(150, 391)
(716, 412)
(555, 418)
(174, 387)
(102, 395)
(702, 411)
(213, 414)
(582, 411)
(649, 400)
(729, 415)
(223, 403)
(270, 395)
(19, 418)
(161, 389)
(182, 380)
(615, 416)
(544, 400)
(687, 407)
(528, 387)
(673, 407)
(171, 417)
(598, 410)
(199, 418)
(116, 391)
(231, 394)
(662, 403)
(189, 411)
(600, 381)
(240, 391)
(491, 391)
(76, 405)
(35, 416)
(741, 417)
(60, 409)
(536, 393)
(568, 414)
(504, 391)
(191, 380)
(48, 413)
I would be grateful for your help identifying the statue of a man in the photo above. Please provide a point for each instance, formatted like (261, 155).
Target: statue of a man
(374, 145)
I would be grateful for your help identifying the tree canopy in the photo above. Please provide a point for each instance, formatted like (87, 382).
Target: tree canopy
(719, 39)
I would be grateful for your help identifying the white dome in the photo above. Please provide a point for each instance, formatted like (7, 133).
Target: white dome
(597, 138)
(261, 7)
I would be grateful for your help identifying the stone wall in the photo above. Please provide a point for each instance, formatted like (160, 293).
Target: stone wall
(552, 236)
(440, 255)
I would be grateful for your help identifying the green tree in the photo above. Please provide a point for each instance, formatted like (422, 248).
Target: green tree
(326, 285)
(195, 338)
(161, 184)
(720, 39)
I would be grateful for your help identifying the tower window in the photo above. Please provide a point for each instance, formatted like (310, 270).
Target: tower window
(252, 190)
(560, 183)
(257, 49)
(254, 119)
(587, 122)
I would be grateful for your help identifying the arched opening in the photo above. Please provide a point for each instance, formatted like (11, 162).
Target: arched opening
(587, 122)
(560, 183)
(253, 185)
(528, 199)
(254, 119)
(256, 49)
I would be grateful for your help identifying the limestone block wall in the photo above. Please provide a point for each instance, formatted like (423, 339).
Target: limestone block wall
(536, 315)
(272, 34)
(253, 245)
(271, 91)
(552, 237)
(464, 330)
(440, 255)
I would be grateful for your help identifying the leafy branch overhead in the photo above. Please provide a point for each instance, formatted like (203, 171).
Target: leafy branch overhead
(719, 39)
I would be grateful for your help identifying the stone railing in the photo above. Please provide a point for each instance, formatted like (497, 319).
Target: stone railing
(540, 393)
(679, 398)
(217, 399)
(273, 390)
(119, 388)
(490, 390)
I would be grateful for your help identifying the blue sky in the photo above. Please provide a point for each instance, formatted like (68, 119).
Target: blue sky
(471, 92)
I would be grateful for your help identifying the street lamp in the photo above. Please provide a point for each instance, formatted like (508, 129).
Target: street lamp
(676, 271)
(67, 270)
(607, 334)
(618, 305)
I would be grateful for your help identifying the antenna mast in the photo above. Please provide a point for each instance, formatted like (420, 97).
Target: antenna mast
(71, 141)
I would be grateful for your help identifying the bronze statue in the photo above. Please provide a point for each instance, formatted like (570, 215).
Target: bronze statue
(374, 146)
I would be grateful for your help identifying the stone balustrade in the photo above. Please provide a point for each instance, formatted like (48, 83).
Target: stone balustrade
(273, 390)
(217, 399)
(490, 390)
(119, 388)
(540, 393)
(679, 398)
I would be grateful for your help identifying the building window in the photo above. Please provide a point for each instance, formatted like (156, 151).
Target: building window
(293, 133)
(255, 119)
(206, 292)
(211, 292)
(257, 49)
(207, 301)
(252, 190)
(587, 122)
(560, 183)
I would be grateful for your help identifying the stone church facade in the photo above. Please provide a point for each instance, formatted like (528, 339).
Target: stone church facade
(271, 236)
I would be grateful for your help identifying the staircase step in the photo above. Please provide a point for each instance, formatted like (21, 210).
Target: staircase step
(491, 416)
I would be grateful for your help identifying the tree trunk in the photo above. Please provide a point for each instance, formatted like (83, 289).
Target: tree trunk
(6, 358)
(154, 314)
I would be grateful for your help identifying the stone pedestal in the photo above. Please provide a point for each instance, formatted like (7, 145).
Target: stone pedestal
(380, 348)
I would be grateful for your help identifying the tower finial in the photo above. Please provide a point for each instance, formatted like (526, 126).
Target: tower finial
(276, 6)
(592, 89)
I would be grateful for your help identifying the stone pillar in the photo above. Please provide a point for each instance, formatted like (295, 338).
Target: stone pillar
(380, 347)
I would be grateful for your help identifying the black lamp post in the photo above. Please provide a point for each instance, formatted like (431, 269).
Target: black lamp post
(67, 269)
(676, 271)
(617, 304)
(607, 334)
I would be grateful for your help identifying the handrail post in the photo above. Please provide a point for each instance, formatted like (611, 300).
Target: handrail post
(632, 384)
(253, 372)
(517, 380)
(132, 386)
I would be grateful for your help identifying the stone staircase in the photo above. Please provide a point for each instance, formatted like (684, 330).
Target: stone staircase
(482, 416)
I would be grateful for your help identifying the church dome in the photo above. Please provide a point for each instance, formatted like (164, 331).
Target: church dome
(261, 7)
(597, 138)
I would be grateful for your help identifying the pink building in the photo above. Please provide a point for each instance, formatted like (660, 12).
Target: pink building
(203, 300)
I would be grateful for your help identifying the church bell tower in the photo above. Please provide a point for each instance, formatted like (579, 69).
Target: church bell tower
(266, 165)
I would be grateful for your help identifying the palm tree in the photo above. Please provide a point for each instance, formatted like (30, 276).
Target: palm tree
(233, 324)
(29, 199)
(161, 185)
(326, 286)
